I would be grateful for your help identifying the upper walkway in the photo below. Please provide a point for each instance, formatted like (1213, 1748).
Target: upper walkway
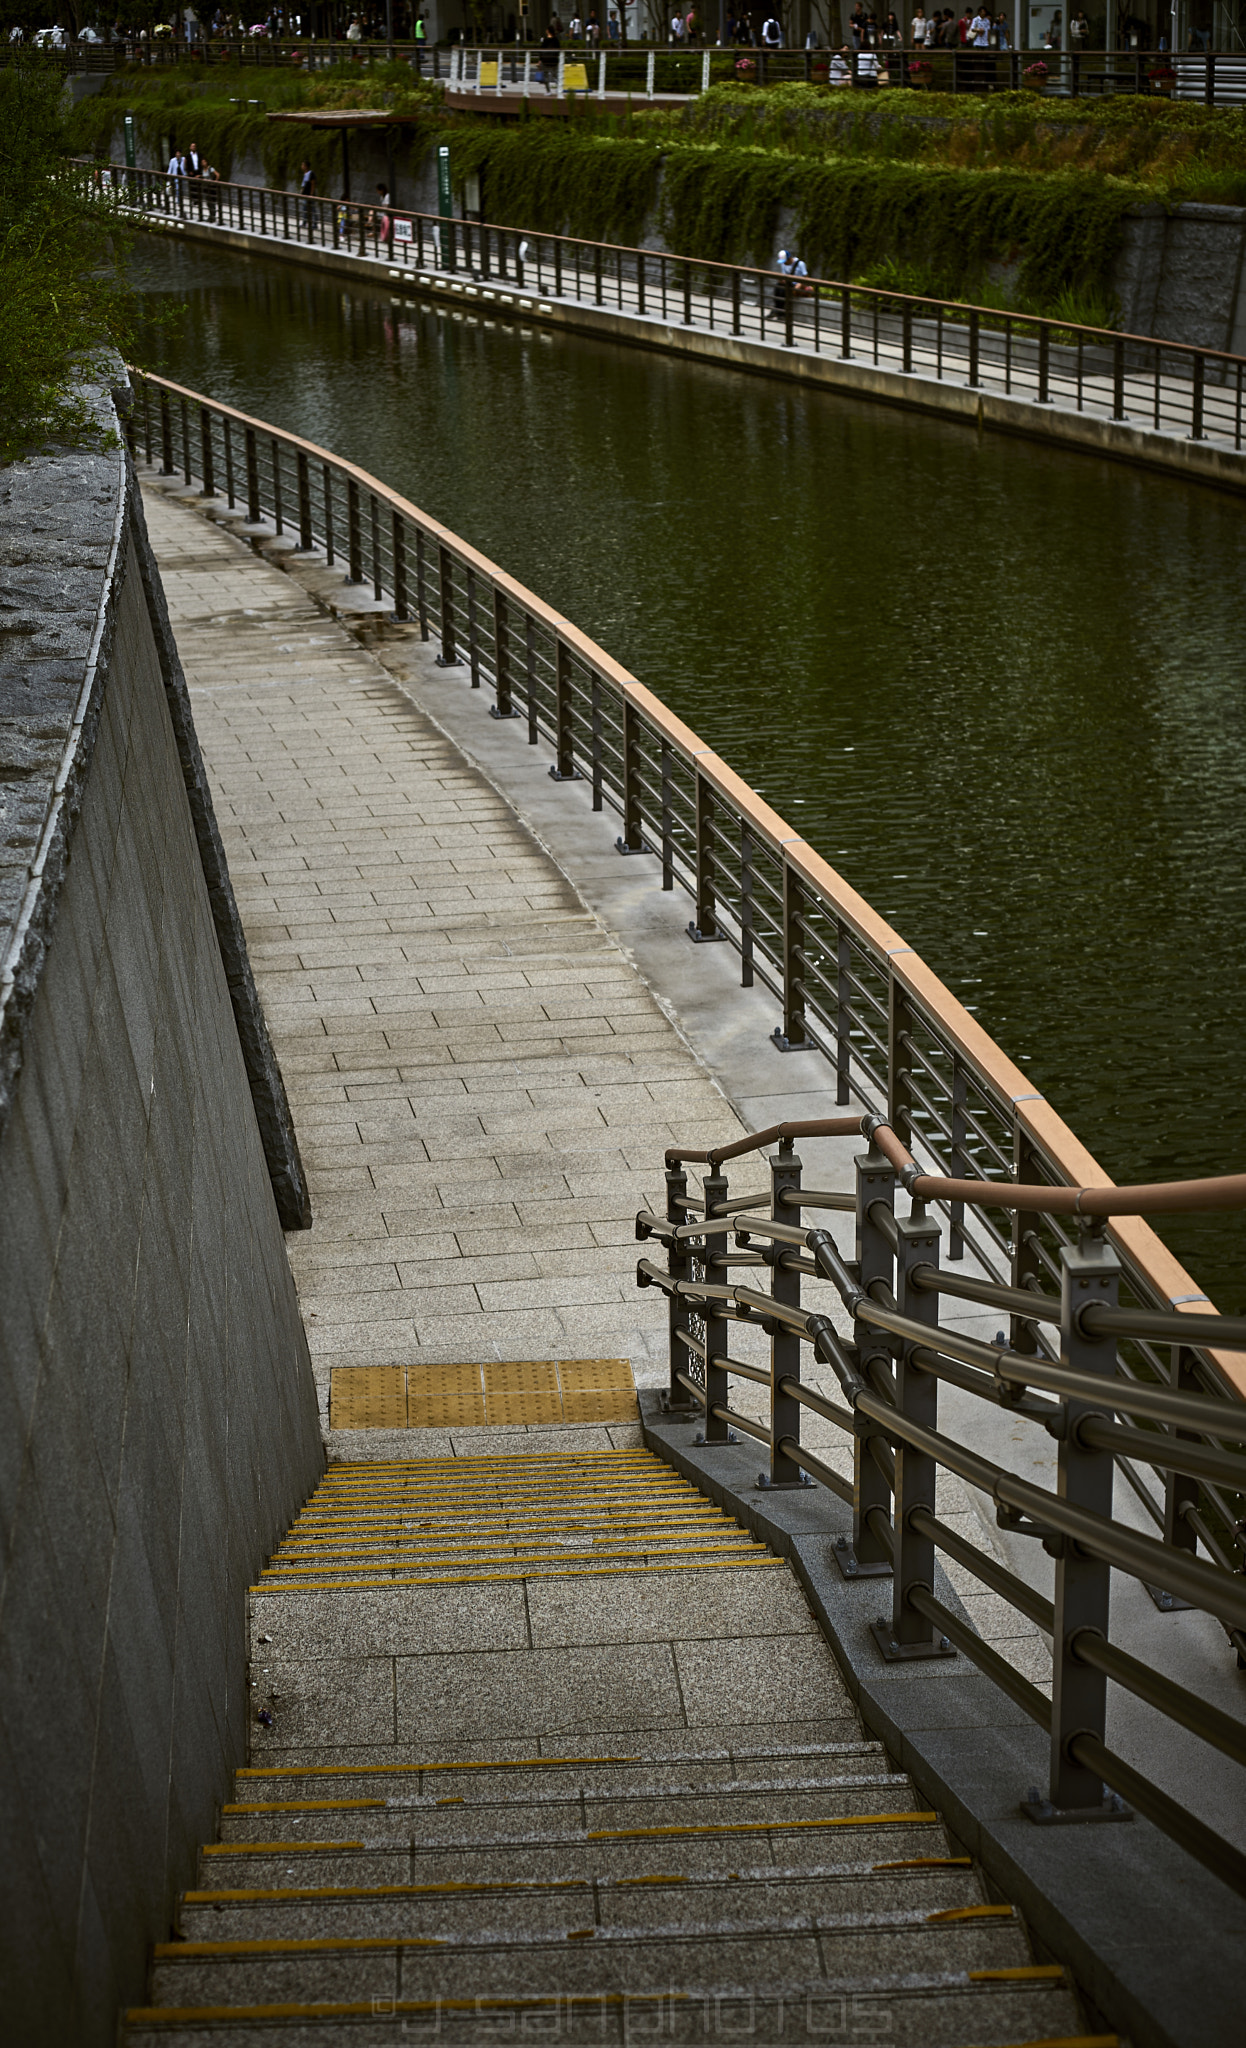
(1159, 403)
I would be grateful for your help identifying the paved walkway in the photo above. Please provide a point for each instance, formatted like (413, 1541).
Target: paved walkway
(482, 1080)
(483, 1085)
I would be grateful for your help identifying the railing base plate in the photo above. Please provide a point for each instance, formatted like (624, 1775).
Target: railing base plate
(783, 1044)
(1168, 1603)
(621, 846)
(907, 1653)
(765, 1484)
(569, 775)
(718, 1443)
(1045, 1815)
(444, 661)
(495, 713)
(700, 938)
(852, 1568)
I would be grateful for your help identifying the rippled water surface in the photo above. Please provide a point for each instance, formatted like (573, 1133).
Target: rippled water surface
(1000, 688)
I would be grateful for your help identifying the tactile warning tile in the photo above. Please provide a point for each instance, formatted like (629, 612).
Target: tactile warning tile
(522, 1390)
(502, 1392)
(368, 1397)
(444, 1397)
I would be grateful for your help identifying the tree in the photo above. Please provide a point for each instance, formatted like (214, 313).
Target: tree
(63, 297)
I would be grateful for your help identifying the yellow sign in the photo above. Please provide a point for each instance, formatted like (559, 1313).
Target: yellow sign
(575, 78)
(489, 72)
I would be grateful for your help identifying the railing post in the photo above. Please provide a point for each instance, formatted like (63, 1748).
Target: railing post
(354, 532)
(678, 1400)
(789, 311)
(975, 337)
(735, 302)
(717, 1388)
(790, 1035)
(899, 1024)
(1180, 1491)
(1118, 379)
(398, 544)
(845, 324)
(166, 436)
(563, 768)
(473, 644)
(909, 1634)
(502, 707)
(1196, 405)
(421, 583)
(253, 479)
(703, 929)
(305, 511)
(632, 837)
(448, 658)
(1090, 1272)
(206, 474)
(907, 319)
(868, 1555)
(1044, 364)
(785, 1171)
(1026, 1264)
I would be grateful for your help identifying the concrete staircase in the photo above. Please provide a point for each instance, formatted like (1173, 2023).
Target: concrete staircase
(722, 1858)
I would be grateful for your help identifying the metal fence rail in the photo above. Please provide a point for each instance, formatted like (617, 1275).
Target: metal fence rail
(1183, 1422)
(1109, 1343)
(640, 70)
(1169, 387)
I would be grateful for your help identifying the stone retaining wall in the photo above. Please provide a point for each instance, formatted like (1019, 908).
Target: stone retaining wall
(159, 1423)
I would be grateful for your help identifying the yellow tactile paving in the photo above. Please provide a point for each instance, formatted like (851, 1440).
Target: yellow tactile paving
(498, 1393)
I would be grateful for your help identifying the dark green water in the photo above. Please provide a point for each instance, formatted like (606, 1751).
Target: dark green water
(1001, 689)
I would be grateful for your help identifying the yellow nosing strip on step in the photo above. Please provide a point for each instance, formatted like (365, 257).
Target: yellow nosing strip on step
(759, 1827)
(371, 2008)
(543, 1562)
(398, 1891)
(1024, 1973)
(311, 1561)
(924, 1863)
(504, 1763)
(178, 1951)
(276, 1848)
(305, 1806)
(511, 1578)
(969, 1913)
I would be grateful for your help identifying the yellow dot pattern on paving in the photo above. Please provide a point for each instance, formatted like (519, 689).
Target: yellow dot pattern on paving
(434, 1521)
(497, 1394)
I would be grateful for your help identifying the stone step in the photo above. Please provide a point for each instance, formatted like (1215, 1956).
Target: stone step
(945, 2011)
(588, 1959)
(521, 1776)
(661, 1812)
(636, 1854)
(940, 1885)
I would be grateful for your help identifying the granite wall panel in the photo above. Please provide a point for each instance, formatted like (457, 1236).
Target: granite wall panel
(158, 1424)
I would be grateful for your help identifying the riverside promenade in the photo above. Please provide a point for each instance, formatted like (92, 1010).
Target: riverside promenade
(485, 1059)
(540, 1731)
(541, 1738)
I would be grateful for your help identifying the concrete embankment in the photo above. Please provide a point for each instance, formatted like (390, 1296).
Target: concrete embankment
(159, 1420)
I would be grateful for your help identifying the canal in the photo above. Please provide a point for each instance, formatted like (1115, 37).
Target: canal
(1000, 688)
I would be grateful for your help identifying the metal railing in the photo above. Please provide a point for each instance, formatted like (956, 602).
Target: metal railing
(1166, 386)
(1097, 1324)
(640, 70)
(1076, 1359)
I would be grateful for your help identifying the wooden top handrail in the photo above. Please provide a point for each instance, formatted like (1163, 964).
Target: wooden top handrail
(1063, 1153)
